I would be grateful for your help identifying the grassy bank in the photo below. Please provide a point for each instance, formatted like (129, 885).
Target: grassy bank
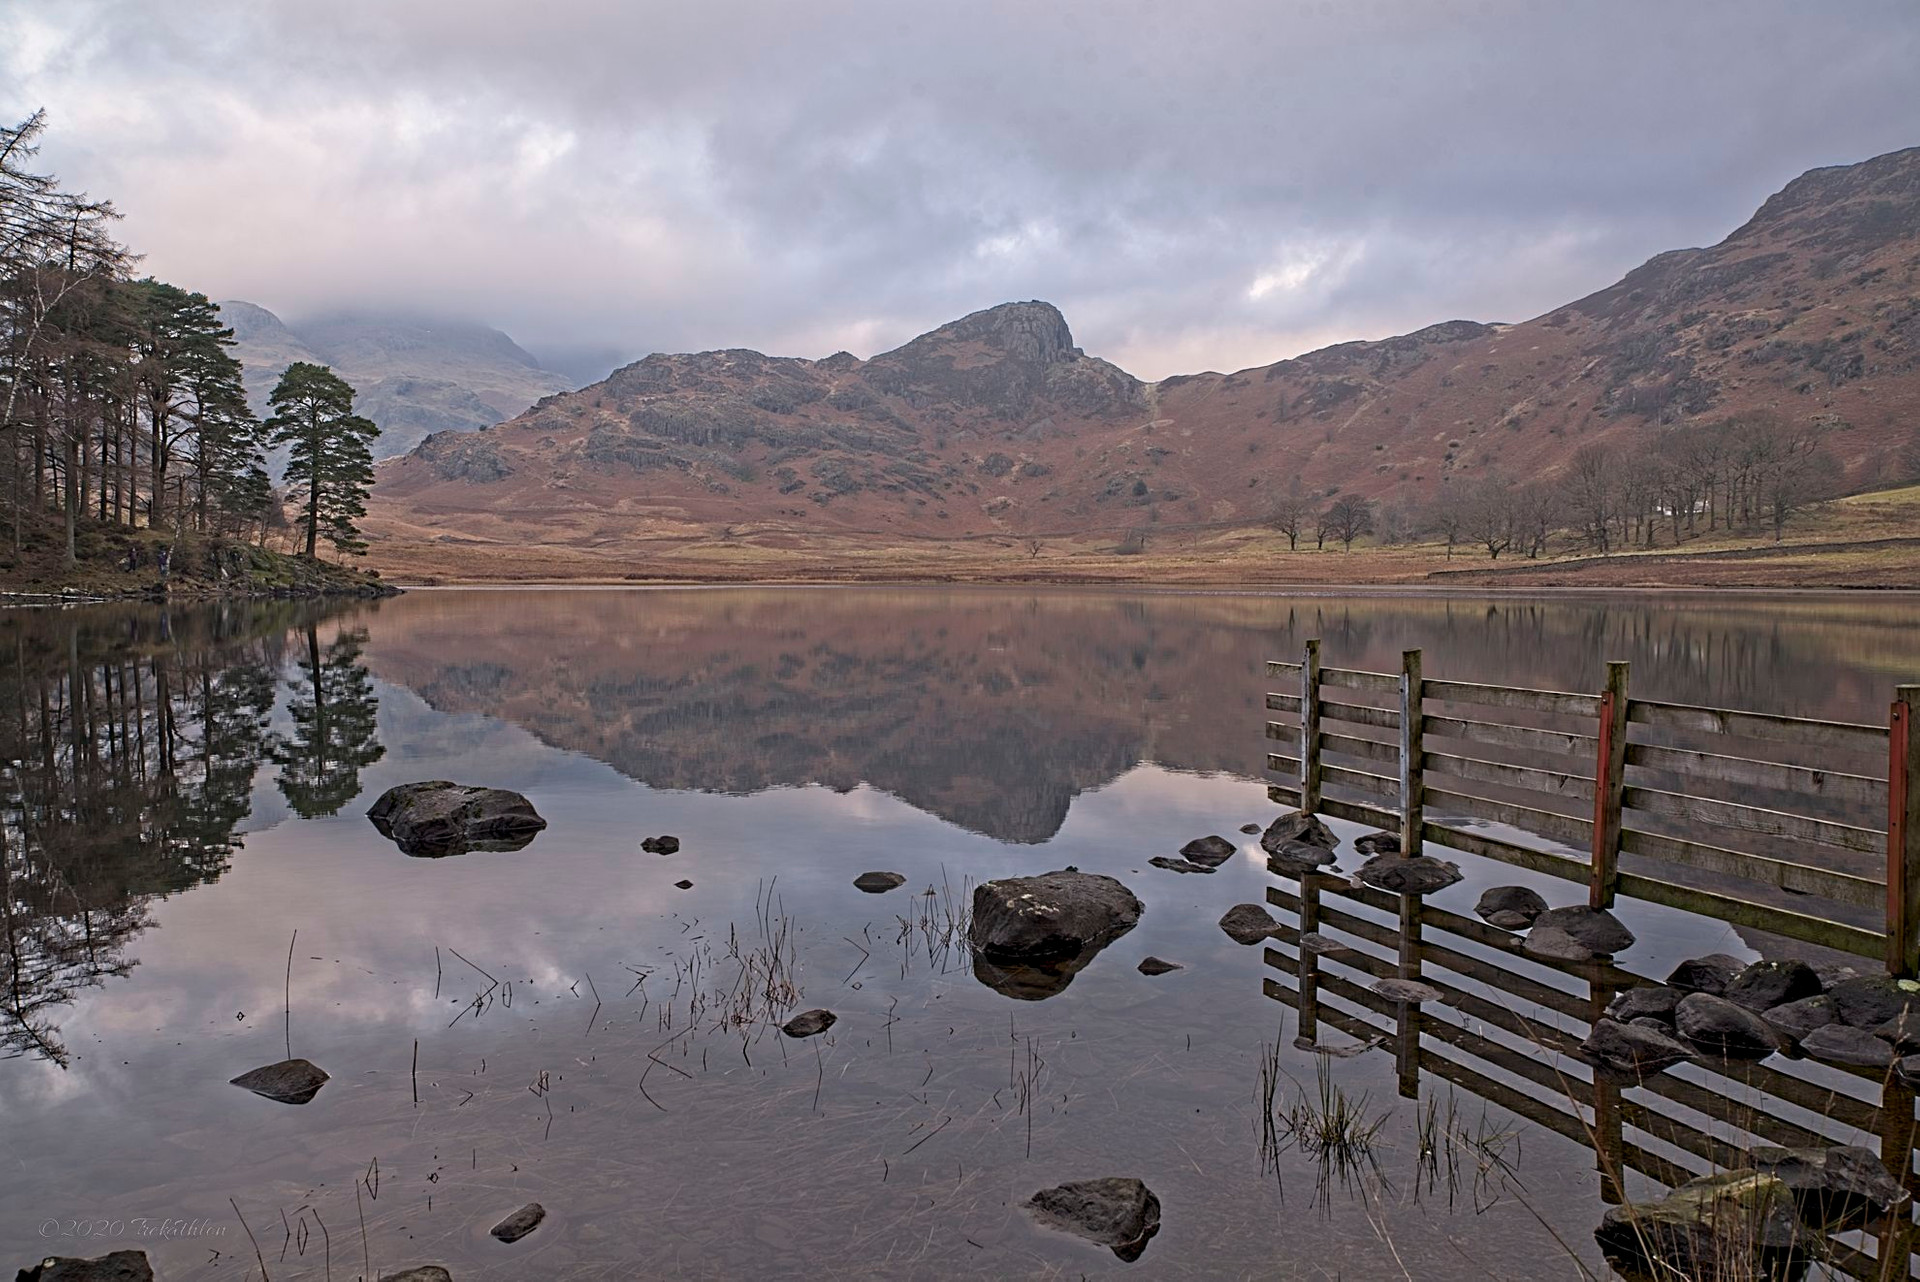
(118, 563)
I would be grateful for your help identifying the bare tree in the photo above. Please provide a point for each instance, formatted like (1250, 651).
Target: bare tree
(1289, 515)
(1487, 514)
(1349, 517)
(1587, 487)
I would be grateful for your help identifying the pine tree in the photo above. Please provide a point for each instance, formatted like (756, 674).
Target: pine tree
(330, 454)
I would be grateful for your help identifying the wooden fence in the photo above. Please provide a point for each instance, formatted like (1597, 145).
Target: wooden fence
(1808, 829)
(1504, 1031)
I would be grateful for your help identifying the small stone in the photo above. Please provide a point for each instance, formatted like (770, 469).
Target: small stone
(291, 1081)
(1396, 989)
(1377, 843)
(1177, 865)
(1250, 829)
(1709, 974)
(120, 1266)
(520, 1223)
(661, 845)
(424, 1273)
(1211, 851)
(1298, 827)
(1766, 984)
(1794, 1020)
(1248, 923)
(1120, 1214)
(1556, 945)
(1633, 1048)
(1408, 874)
(1596, 928)
(879, 883)
(1510, 907)
(1315, 942)
(1654, 1001)
(1720, 1026)
(684, 884)
(1297, 858)
(1844, 1044)
(1157, 966)
(809, 1023)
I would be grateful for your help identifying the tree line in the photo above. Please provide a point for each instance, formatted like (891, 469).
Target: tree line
(1750, 471)
(122, 406)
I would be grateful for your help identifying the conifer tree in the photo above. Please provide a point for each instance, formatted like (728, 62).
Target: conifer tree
(330, 455)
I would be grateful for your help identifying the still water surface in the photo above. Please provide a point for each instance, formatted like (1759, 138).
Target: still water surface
(186, 789)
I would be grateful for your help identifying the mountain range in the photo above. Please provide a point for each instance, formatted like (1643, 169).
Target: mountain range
(999, 424)
(413, 377)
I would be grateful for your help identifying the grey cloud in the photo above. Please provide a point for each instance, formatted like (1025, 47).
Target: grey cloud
(1209, 184)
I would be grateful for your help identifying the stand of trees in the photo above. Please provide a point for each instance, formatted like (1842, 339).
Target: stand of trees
(121, 402)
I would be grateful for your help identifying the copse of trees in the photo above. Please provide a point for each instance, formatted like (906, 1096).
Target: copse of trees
(121, 403)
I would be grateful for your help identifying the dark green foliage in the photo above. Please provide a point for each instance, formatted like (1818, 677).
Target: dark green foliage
(335, 714)
(329, 453)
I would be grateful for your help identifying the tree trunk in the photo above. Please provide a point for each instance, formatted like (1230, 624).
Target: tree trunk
(71, 506)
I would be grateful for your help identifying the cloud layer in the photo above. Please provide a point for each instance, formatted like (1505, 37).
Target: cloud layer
(1213, 184)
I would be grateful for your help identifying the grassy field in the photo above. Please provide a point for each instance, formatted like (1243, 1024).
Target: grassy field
(1865, 541)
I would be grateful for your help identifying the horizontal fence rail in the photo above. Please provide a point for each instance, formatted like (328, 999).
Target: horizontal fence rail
(1802, 827)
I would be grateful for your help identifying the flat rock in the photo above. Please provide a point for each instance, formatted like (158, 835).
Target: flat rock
(1724, 1028)
(1295, 826)
(1908, 1068)
(1834, 1186)
(1250, 829)
(661, 845)
(1633, 1048)
(1709, 974)
(1211, 851)
(1396, 989)
(291, 1081)
(1794, 1020)
(1297, 858)
(1869, 1001)
(1408, 874)
(520, 1223)
(879, 883)
(1902, 1031)
(1120, 1214)
(1157, 966)
(1693, 1231)
(1510, 907)
(809, 1023)
(438, 818)
(423, 1273)
(119, 1266)
(1056, 914)
(683, 884)
(1844, 1044)
(1597, 928)
(1556, 944)
(1177, 865)
(1766, 984)
(1654, 1001)
(1315, 942)
(1247, 923)
(1377, 843)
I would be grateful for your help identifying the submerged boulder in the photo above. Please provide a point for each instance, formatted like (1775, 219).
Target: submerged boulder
(1408, 874)
(1709, 974)
(1248, 923)
(1056, 914)
(1157, 966)
(1396, 989)
(1295, 826)
(1832, 1187)
(291, 1081)
(1635, 1048)
(1510, 907)
(1210, 851)
(1720, 1026)
(119, 1266)
(1794, 1020)
(1693, 1232)
(1595, 928)
(1844, 1044)
(810, 1023)
(1120, 1214)
(879, 883)
(1649, 1001)
(1177, 865)
(1766, 984)
(520, 1223)
(441, 818)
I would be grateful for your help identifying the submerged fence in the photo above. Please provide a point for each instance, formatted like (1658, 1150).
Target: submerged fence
(1804, 828)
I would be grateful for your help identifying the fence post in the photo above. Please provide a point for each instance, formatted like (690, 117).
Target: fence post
(1903, 834)
(1609, 778)
(1310, 729)
(1412, 724)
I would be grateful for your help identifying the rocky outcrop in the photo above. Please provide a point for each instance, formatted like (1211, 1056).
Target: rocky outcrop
(441, 818)
(1056, 914)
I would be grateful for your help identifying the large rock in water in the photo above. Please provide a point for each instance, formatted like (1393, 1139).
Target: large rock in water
(1844, 1044)
(1696, 1230)
(1120, 1214)
(1834, 1186)
(1247, 923)
(1209, 852)
(1510, 907)
(1631, 1048)
(1056, 914)
(1709, 974)
(1649, 1001)
(520, 1223)
(441, 818)
(1871, 1000)
(1794, 1020)
(1408, 874)
(1718, 1025)
(1766, 984)
(291, 1081)
(120, 1266)
(1595, 928)
(1306, 829)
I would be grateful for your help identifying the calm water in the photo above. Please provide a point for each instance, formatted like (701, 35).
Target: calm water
(185, 790)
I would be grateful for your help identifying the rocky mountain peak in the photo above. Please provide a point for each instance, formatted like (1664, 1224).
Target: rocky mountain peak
(1032, 332)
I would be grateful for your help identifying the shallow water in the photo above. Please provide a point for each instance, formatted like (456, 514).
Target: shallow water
(186, 790)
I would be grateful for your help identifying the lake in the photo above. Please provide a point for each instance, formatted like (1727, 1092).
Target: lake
(194, 890)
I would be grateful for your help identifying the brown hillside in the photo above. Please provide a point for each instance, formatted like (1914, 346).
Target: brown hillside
(998, 424)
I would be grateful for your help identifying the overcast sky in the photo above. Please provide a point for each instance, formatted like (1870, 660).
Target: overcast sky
(1197, 185)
